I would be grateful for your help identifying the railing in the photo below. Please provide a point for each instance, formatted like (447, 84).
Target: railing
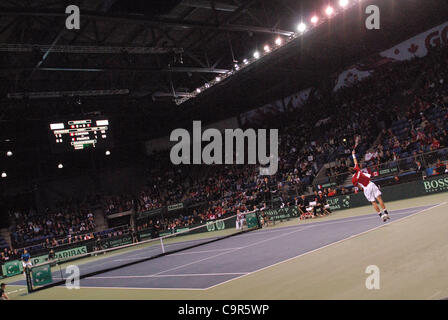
(62, 239)
(392, 168)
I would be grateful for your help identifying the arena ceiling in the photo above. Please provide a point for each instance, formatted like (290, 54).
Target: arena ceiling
(167, 48)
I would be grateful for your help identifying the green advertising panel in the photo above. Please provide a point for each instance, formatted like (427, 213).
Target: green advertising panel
(12, 268)
(282, 213)
(62, 254)
(252, 220)
(116, 241)
(435, 185)
(215, 225)
(182, 230)
(41, 275)
(145, 234)
(338, 203)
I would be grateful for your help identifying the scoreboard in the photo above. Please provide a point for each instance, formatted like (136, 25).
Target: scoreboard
(82, 134)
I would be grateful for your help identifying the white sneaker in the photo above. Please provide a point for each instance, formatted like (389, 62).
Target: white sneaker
(385, 217)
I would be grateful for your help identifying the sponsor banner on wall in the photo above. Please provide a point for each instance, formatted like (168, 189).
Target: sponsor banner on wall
(12, 268)
(436, 185)
(146, 234)
(419, 45)
(339, 203)
(176, 206)
(282, 213)
(116, 241)
(62, 254)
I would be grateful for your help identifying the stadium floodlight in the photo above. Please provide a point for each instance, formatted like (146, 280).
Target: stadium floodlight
(301, 27)
(207, 85)
(60, 166)
(314, 19)
(4, 175)
(343, 3)
(198, 90)
(267, 48)
(107, 153)
(218, 79)
(9, 153)
(329, 11)
(278, 41)
(256, 54)
(245, 61)
(237, 67)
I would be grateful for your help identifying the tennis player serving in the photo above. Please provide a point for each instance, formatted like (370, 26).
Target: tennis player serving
(371, 190)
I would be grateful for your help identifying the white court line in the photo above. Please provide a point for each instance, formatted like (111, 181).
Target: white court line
(18, 290)
(326, 246)
(197, 252)
(173, 275)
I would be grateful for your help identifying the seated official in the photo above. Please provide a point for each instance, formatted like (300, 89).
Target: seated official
(306, 211)
(322, 205)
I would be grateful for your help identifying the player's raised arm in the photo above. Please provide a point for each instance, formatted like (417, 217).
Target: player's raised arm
(354, 158)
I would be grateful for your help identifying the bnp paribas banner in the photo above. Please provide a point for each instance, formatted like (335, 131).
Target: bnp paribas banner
(62, 254)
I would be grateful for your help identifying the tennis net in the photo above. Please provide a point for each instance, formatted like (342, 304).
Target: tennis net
(108, 255)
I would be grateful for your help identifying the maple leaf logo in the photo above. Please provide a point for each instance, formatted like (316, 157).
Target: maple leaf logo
(413, 48)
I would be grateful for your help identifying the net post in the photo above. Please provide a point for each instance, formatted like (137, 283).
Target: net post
(258, 214)
(161, 243)
(28, 280)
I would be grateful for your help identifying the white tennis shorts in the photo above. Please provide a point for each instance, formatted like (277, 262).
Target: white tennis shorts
(372, 192)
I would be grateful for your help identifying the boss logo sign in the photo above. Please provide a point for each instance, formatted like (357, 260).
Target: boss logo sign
(436, 185)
